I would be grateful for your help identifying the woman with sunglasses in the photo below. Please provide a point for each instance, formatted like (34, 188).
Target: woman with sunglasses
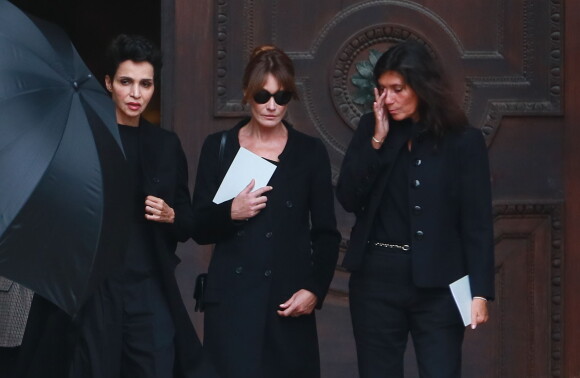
(275, 247)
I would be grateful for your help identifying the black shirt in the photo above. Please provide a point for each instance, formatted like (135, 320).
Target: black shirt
(139, 261)
(130, 139)
(393, 219)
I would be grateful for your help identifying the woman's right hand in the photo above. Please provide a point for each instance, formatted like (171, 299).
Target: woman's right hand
(381, 118)
(248, 204)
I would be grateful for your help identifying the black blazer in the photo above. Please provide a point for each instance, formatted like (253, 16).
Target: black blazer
(449, 199)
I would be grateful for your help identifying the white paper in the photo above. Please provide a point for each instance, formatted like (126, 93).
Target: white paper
(245, 167)
(461, 292)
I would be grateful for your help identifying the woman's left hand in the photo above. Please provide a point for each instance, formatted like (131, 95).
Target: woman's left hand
(157, 210)
(302, 302)
(479, 314)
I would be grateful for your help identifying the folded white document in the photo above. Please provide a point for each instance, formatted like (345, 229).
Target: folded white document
(461, 291)
(245, 167)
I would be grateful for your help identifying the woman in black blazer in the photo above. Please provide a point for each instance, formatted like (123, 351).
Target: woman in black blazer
(275, 247)
(417, 179)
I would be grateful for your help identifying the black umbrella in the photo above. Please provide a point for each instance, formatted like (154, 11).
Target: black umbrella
(63, 201)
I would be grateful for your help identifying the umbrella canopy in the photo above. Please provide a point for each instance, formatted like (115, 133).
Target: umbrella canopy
(63, 196)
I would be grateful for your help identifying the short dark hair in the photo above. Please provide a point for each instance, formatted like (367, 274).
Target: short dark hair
(135, 48)
(264, 60)
(438, 111)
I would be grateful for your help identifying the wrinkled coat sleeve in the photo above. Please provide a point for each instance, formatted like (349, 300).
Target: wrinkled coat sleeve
(476, 213)
(181, 227)
(324, 235)
(360, 168)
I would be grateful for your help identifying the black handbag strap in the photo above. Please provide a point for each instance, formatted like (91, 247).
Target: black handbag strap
(201, 281)
(222, 149)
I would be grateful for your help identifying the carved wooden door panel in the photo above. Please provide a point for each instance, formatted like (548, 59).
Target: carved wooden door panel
(504, 60)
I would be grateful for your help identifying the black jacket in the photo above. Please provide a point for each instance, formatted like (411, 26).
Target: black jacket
(449, 200)
(50, 334)
(165, 176)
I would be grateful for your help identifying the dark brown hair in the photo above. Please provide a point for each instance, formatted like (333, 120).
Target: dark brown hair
(437, 110)
(264, 60)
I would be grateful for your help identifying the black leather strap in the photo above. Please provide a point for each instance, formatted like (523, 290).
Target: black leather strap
(222, 148)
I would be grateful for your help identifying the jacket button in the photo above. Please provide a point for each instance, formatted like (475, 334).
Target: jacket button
(268, 234)
(156, 180)
(417, 210)
(419, 235)
(418, 162)
(289, 204)
(415, 184)
(239, 270)
(240, 233)
(267, 273)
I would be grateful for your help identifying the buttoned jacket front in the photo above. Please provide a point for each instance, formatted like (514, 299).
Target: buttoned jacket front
(449, 202)
(301, 201)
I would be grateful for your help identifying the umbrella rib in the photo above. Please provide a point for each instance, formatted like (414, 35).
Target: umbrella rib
(30, 91)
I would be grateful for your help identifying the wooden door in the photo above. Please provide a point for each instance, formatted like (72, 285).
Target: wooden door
(506, 63)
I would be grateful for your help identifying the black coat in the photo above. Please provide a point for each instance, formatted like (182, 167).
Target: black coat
(256, 265)
(165, 176)
(46, 348)
(449, 199)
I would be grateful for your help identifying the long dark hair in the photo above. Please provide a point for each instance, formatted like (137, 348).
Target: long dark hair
(438, 112)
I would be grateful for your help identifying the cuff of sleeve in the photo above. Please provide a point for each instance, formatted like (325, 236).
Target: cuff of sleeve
(482, 298)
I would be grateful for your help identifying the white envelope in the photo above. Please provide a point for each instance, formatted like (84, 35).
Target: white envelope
(245, 167)
(461, 291)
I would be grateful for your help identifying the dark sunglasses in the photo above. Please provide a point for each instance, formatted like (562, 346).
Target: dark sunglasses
(281, 97)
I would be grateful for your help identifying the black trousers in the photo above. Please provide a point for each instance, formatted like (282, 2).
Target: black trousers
(8, 356)
(126, 328)
(47, 343)
(386, 306)
(126, 331)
